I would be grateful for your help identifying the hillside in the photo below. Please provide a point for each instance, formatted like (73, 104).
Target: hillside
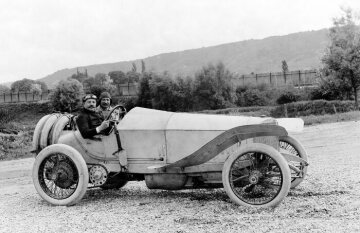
(301, 50)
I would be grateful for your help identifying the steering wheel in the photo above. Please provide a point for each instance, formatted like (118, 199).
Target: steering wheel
(114, 118)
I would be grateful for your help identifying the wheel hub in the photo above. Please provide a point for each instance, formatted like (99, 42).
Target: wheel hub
(63, 175)
(255, 177)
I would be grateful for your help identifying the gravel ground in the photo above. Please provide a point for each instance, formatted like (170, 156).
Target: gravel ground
(327, 201)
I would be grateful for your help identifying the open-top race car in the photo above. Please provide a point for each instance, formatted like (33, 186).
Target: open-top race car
(252, 158)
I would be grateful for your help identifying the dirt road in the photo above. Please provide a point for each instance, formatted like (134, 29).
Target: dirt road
(327, 201)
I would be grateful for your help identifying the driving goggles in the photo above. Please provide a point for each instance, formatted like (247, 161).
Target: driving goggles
(89, 96)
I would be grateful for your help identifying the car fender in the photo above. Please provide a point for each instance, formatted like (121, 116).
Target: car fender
(225, 140)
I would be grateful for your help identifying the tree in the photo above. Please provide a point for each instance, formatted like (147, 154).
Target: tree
(342, 57)
(67, 95)
(89, 83)
(133, 77)
(43, 85)
(36, 89)
(183, 90)
(213, 87)
(331, 88)
(100, 79)
(134, 68)
(4, 88)
(162, 93)
(23, 85)
(144, 96)
(143, 67)
(284, 66)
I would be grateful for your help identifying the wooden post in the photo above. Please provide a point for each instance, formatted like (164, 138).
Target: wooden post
(335, 111)
(243, 76)
(256, 79)
(4, 97)
(270, 78)
(18, 97)
(299, 78)
(285, 111)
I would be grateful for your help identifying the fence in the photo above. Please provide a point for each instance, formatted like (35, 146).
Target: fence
(298, 78)
(23, 97)
(127, 90)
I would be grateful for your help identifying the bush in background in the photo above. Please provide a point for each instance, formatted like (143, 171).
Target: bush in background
(5, 116)
(67, 96)
(317, 107)
(287, 97)
(254, 96)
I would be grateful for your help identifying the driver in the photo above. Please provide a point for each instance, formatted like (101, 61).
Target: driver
(89, 121)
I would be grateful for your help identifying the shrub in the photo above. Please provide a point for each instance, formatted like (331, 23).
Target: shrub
(5, 116)
(253, 97)
(67, 95)
(317, 107)
(287, 97)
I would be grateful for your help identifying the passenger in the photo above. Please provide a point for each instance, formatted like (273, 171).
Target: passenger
(105, 106)
(89, 121)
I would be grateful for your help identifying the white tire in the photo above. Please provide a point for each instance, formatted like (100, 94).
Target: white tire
(45, 132)
(59, 126)
(60, 175)
(37, 132)
(256, 175)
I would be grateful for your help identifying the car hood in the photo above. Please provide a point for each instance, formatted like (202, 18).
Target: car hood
(149, 119)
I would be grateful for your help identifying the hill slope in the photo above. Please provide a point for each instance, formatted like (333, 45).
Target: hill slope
(301, 50)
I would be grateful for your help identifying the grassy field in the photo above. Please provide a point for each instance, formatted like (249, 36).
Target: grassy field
(16, 135)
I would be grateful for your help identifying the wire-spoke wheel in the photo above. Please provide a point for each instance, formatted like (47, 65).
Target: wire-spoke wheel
(60, 175)
(290, 145)
(257, 176)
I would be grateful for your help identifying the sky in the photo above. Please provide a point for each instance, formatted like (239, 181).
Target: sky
(39, 37)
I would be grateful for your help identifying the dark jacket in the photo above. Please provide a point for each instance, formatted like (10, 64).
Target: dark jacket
(87, 121)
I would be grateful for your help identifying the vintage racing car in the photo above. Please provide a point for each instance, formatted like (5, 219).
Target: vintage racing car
(252, 158)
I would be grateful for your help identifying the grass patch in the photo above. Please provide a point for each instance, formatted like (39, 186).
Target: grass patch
(17, 126)
(330, 118)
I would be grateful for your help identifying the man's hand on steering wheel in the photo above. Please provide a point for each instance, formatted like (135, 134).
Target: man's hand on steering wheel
(113, 121)
(119, 116)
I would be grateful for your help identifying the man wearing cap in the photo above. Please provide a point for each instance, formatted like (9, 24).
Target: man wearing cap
(105, 106)
(89, 121)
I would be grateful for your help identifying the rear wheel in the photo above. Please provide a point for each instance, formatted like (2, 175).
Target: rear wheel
(291, 145)
(60, 175)
(256, 176)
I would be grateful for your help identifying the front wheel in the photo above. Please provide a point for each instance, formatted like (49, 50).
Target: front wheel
(290, 145)
(60, 175)
(256, 176)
